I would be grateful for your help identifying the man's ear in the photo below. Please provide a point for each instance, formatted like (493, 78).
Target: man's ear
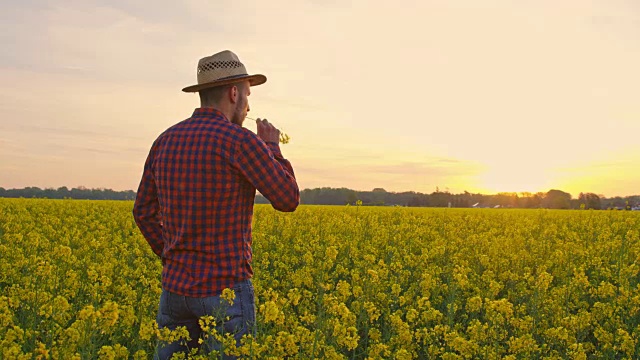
(233, 94)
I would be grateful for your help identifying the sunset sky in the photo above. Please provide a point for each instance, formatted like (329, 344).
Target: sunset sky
(483, 96)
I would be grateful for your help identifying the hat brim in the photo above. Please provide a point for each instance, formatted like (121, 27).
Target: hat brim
(254, 80)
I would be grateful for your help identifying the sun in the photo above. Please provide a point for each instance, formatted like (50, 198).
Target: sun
(516, 178)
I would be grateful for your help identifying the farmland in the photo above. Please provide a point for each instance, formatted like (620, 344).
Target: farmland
(77, 280)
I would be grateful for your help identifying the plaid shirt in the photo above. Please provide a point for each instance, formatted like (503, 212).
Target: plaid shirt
(194, 205)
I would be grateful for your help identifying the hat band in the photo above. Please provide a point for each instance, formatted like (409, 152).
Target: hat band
(231, 77)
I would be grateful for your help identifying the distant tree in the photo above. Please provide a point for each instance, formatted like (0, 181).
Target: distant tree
(505, 199)
(352, 197)
(461, 200)
(378, 196)
(531, 201)
(634, 201)
(439, 199)
(614, 203)
(590, 201)
(557, 199)
(130, 195)
(32, 192)
(308, 196)
(75, 193)
(63, 192)
(418, 200)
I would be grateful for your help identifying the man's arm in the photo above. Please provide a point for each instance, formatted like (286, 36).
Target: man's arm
(269, 172)
(146, 209)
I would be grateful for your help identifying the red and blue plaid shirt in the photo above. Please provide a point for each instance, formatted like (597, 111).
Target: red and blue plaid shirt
(194, 205)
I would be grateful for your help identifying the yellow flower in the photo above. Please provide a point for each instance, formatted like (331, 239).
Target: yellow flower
(331, 253)
(403, 354)
(346, 336)
(378, 351)
(41, 351)
(372, 311)
(373, 274)
(86, 313)
(229, 295)
(106, 353)
(543, 281)
(286, 344)
(72, 335)
(474, 304)
(344, 289)
(396, 289)
(524, 345)
(109, 313)
(272, 313)
(140, 355)
(375, 334)
(148, 329)
(294, 296)
(168, 335)
(625, 343)
(412, 315)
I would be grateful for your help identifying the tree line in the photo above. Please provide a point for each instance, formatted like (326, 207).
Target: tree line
(64, 193)
(552, 199)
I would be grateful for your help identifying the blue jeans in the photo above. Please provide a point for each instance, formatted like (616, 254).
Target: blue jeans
(177, 310)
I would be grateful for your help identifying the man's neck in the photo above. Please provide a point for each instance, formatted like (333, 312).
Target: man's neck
(225, 110)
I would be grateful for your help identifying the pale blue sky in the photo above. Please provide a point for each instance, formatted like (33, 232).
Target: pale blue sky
(485, 96)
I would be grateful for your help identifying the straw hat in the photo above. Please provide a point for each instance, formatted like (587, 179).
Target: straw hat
(221, 69)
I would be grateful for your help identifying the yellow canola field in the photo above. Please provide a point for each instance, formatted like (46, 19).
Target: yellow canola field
(77, 280)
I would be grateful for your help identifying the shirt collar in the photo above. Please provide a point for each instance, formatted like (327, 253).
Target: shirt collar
(208, 112)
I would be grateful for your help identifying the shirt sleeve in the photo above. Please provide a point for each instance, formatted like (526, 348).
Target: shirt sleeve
(146, 209)
(269, 172)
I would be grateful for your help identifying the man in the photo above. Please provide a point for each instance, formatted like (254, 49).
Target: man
(194, 204)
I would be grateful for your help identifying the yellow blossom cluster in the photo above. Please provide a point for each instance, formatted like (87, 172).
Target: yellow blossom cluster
(77, 281)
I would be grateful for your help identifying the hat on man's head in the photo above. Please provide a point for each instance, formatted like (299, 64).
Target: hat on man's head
(220, 69)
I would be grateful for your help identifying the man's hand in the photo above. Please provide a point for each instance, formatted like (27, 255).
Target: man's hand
(267, 131)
